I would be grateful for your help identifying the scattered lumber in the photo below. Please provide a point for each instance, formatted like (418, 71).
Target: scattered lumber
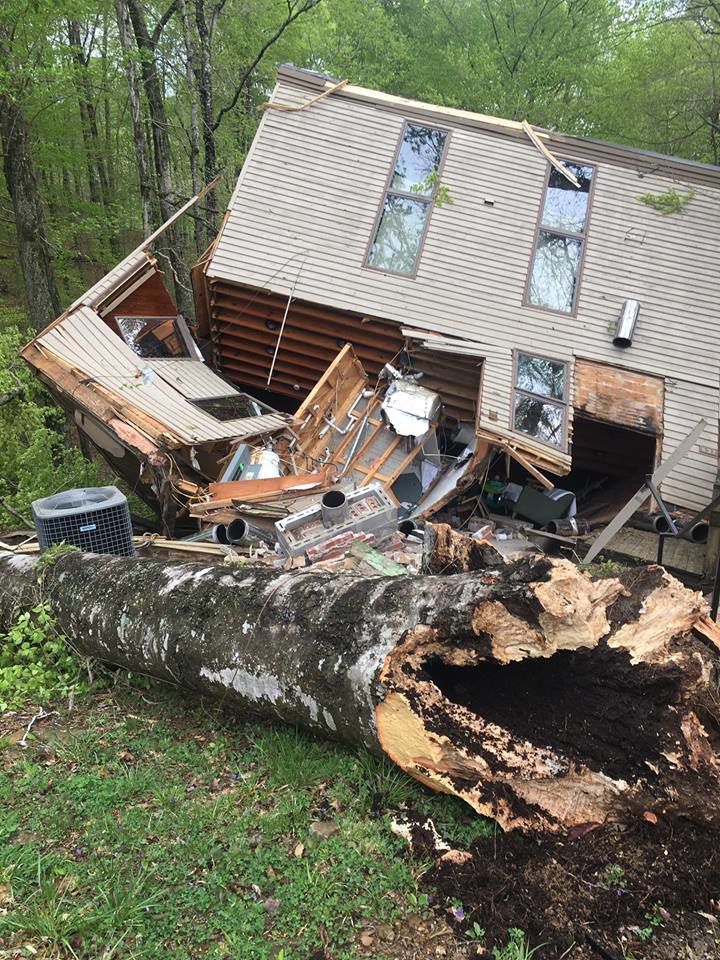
(541, 697)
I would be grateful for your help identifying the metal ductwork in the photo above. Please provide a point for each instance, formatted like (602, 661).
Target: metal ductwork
(240, 531)
(625, 326)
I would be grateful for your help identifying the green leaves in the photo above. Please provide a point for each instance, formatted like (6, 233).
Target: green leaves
(37, 457)
(36, 664)
(670, 201)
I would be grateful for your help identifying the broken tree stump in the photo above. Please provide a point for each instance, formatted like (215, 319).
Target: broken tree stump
(447, 551)
(542, 698)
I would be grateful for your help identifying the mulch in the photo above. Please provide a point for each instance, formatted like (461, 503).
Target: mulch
(646, 890)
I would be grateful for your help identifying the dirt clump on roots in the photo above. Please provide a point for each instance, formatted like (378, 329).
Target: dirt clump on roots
(642, 890)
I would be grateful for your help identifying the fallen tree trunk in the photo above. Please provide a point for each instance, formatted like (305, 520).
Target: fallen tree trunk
(542, 698)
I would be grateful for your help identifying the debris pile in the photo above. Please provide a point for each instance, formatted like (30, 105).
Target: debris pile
(353, 481)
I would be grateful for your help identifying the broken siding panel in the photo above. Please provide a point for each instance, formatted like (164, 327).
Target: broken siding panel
(691, 482)
(84, 340)
(192, 378)
(132, 266)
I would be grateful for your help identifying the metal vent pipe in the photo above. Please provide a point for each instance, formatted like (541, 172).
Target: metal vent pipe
(333, 507)
(625, 326)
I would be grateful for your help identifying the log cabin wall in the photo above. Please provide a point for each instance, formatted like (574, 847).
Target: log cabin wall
(151, 299)
(244, 329)
(245, 325)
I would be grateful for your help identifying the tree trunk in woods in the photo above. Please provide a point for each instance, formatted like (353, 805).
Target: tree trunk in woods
(142, 156)
(147, 46)
(107, 121)
(33, 246)
(540, 697)
(204, 79)
(190, 61)
(97, 176)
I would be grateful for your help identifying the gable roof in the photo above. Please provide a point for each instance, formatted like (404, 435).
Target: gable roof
(616, 153)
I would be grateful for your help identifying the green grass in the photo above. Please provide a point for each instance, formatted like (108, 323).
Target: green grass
(164, 829)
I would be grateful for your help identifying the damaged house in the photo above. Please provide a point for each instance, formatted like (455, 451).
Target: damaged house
(519, 291)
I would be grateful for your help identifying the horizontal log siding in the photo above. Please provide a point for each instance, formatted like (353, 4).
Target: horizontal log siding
(306, 208)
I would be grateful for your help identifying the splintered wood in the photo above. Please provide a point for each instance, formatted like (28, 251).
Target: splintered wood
(341, 420)
(574, 701)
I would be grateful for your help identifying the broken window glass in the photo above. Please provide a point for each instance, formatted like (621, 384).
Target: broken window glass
(236, 406)
(408, 201)
(539, 402)
(152, 337)
(566, 207)
(558, 250)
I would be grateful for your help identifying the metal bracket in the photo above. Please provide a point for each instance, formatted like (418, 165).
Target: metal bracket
(650, 484)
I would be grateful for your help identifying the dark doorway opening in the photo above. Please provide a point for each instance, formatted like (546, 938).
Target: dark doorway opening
(609, 463)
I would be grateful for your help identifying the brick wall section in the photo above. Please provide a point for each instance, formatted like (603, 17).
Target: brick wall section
(622, 397)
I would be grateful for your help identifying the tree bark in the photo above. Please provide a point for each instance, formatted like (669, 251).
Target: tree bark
(147, 46)
(142, 154)
(33, 246)
(542, 698)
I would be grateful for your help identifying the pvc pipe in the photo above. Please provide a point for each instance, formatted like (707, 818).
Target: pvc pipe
(660, 524)
(698, 532)
(242, 531)
(333, 507)
(407, 527)
(569, 527)
(237, 531)
(219, 534)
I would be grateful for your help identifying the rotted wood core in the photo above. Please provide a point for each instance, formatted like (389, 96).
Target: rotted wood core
(571, 702)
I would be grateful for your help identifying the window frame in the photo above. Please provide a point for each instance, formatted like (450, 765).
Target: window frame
(387, 189)
(582, 237)
(564, 403)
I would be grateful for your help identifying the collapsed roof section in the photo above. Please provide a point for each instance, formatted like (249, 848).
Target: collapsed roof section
(125, 365)
(166, 396)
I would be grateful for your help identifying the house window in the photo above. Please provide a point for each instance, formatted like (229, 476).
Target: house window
(158, 338)
(539, 399)
(557, 256)
(408, 200)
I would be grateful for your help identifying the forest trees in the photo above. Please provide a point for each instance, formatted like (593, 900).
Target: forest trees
(115, 111)
(33, 249)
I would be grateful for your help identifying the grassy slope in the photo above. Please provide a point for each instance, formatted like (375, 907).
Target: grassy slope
(151, 826)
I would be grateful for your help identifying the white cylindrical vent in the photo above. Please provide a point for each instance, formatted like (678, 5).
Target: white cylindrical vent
(333, 507)
(626, 324)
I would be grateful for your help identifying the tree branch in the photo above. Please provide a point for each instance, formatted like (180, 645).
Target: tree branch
(296, 8)
(162, 23)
